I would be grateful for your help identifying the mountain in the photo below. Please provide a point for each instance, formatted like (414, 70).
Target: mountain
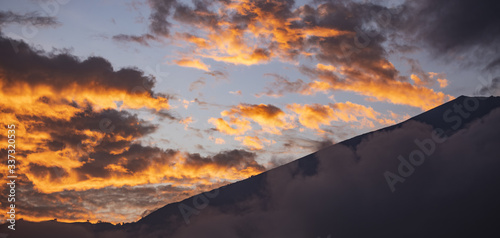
(434, 175)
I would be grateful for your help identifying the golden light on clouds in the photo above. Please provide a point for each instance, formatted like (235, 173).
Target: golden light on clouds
(378, 88)
(270, 78)
(192, 63)
(254, 142)
(241, 126)
(271, 119)
(77, 133)
(226, 42)
(443, 83)
(313, 116)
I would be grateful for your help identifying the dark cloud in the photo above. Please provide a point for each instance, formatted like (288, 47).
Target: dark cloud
(492, 89)
(166, 114)
(199, 15)
(54, 70)
(142, 39)
(308, 144)
(159, 24)
(355, 38)
(455, 28)
(32, 18)
(495, 64)
(231, 159)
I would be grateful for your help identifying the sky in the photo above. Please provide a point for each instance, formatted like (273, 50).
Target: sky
(122, 107)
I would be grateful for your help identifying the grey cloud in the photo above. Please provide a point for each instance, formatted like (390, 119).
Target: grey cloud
(491, 89)
(454, 28)
(142, 39)
(33, 18)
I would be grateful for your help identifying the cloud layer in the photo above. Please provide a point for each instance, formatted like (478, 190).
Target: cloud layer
(79, 137)
(348, 38)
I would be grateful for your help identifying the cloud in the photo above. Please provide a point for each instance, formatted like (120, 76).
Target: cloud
(80, 138)
(192, 63)
(218, 141)
(282, 85)
(197, 41)
(218, 75)
(93, 81)
(491, 89)
(186, 121)
(441, 26)
(159, 26)
(346, 40)
(196, 84)
(142, 39)
(443, 83)
(234, 126)
(313, 116)
(33, 18)
(377, 88)
(124, 203)
(418, 75)
(239, 120)
(272, 29)
(235, 92)
(254, 142)
(271, 118)
(160, 11)
(231, 159)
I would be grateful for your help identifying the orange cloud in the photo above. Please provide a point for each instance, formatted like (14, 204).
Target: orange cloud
(267, 34)
(326, 67)
(77, 135)
(186, 121)
(224, 127)
(198, 41)
(377, 87)
(416, 79)
(313, 116)
(218, 141)
(272, 119)
(235, 92)
(158, 169)
(443, 83)
(254, 142)
(192, 63)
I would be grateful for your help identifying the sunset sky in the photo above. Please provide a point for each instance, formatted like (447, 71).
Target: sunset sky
(122, 107)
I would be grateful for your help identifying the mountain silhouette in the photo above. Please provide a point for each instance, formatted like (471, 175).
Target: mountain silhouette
(433, 175)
